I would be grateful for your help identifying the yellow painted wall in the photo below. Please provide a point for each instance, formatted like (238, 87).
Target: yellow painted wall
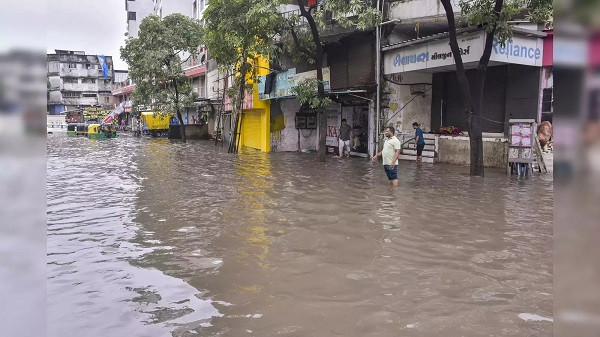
(259, 107)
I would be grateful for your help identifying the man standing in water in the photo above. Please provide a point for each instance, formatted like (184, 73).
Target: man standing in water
(344, 138)
(419, 140)
(390, 153)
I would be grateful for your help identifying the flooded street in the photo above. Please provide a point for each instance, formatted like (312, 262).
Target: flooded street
(152, 238)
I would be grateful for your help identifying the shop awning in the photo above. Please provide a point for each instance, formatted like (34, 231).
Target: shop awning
(196, 71)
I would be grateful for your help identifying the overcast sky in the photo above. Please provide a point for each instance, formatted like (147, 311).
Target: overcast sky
(94, 26)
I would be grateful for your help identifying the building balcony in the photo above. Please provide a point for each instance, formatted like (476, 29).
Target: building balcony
(93, 72)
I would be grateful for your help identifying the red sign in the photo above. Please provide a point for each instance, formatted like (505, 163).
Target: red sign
(247, 104)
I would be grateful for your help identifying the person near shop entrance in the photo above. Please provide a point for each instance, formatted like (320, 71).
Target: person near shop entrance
(390, 153)
(344, 138)
(419, 140)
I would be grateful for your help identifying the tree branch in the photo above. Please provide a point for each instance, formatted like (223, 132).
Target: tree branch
(489, 39)
(299, 45)
(318, 50)
(465, 88)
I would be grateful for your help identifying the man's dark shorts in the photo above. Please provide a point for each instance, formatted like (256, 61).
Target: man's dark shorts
(420, 148)
(392, 174)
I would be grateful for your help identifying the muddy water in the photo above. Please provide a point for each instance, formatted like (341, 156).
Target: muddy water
(152, 238)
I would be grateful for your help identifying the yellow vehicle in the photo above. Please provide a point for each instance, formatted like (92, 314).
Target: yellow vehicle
(101, 131)
(156, 123)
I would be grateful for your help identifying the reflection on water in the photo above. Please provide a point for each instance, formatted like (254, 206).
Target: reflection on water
(152, 238)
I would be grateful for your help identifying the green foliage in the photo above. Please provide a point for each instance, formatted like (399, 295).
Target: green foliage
(155, 59)
(481, 13)
(239, 30)
(359, 14)
(236, 26)
(541, 11)
(308, 95)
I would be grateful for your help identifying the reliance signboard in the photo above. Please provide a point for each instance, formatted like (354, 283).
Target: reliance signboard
(437, 54)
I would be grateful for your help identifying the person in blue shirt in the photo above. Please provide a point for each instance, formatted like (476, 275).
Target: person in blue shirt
(419, 140)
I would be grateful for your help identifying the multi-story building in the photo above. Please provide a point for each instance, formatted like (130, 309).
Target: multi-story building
(77, 80)
(198, 8)
(163, 8)
(137, 10)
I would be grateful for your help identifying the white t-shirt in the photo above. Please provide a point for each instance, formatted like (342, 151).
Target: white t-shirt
(389, 150)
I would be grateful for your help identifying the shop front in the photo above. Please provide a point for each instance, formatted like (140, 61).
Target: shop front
(294, 128)
(255, 120)
(355, 110)
(511, 91)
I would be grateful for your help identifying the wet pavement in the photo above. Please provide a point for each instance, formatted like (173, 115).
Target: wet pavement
(152, 238)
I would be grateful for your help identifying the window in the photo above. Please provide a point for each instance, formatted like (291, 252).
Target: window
(87, 66)
(70, 80)
(71, 94)
(90, 95)
(131, 16)
(107, 99)
(195, 9)
(106, 81)
(72, 65)
(100, 66)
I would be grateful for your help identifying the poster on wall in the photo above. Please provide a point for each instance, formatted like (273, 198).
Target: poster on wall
(333, 123)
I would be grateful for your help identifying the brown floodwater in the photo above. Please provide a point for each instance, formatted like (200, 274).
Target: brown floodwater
(152, 238)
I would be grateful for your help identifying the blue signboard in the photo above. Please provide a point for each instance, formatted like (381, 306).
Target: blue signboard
(284, 82)
(282, 86)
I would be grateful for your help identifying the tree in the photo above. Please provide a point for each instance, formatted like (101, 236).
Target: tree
(305, 39)
(155, 59)
(493, 16)
(236, 33)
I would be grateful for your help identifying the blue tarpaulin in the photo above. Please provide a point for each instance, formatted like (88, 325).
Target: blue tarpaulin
(102, 60)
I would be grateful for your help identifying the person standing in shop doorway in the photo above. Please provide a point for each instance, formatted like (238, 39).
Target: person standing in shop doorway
(344, 138)
(419, 140)
(390, 153)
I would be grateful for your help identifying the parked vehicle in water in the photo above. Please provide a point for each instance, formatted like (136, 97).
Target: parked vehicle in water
(71, 129)
(156, 123)
(101, 131)
(77, 129)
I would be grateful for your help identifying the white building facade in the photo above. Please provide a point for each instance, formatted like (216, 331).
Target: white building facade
(77, 80)
(137, 10)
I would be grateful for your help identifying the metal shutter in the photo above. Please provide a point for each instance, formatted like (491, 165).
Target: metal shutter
(494, 100)
(251, 129)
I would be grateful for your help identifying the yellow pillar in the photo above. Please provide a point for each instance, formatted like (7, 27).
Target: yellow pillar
(262, 65)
